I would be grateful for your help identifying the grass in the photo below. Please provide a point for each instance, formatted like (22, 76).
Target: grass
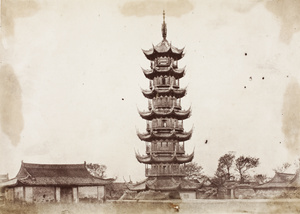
(145, 207)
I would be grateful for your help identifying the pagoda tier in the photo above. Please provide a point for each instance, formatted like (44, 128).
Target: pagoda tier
(164, 49)
(173, 112)
(173, 135)
(170, 70)
(170, 91)
(152, 158)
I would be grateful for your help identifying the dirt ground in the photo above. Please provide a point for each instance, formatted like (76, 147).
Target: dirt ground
(145, 207)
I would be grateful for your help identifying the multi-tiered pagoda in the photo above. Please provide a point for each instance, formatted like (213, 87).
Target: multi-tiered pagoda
(165, 135)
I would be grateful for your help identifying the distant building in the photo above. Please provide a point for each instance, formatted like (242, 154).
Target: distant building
(3, 178)
(279, 184)
(165, 136)
(115, 190)
(54, 183)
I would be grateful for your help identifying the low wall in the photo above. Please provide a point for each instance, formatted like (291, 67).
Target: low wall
(244, 193)
(91, 193)
(270, 193)
(187, 194)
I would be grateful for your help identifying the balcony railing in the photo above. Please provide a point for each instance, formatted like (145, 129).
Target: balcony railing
(164, 172)
(166, 125)
(158, 148)
(166, 103)
(163, 81)
(163, 61)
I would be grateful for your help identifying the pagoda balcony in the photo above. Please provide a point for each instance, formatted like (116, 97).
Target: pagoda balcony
(165, 81)
(166, 85)
(163, 172)
(162, 62)
(162, 69)
(165, 127)
(163, 86)
(167, 104)
(159, 148)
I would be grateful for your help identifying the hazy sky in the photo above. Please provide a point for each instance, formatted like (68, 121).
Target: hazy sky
(71, 76)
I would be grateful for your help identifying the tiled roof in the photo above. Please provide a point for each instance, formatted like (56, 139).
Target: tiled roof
(164, 184)
(57, 174)
(137, 186)
(295, 182)
(164, 47)
(280, 180)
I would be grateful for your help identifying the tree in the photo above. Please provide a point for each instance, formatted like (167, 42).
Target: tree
(282, 168)
(219, 177)
(97, 170)
(225, 163)
(222, 173)
(243, 164)
(261, 178)
(193, 171)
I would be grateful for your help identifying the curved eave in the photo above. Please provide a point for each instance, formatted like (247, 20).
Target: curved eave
(178, 93)
(180, 115)
(156, 51)
(185, 159)
(137, 186)
(178, 73)
(150, 159)
(151, 73)
(148, 137)
(184, 136)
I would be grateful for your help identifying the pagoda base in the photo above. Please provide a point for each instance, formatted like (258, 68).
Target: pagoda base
(164, 188)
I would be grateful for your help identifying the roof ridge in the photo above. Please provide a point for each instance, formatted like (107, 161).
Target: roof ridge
(37, 165)
(283, 173)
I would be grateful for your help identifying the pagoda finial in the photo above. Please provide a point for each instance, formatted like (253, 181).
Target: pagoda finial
(164, 27)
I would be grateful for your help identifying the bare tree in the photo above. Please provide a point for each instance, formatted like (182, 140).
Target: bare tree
(243, 164)
(97, 170)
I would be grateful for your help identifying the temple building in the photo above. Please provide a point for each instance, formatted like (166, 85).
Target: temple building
(165, 136)
(54, 183)
(281, 183)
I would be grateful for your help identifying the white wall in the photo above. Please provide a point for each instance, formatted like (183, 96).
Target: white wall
(101, 193)
(87, 192)
(187, 195)
(18, 193)
(28, 194)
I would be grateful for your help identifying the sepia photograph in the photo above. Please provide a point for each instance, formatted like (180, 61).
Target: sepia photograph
(149, 106)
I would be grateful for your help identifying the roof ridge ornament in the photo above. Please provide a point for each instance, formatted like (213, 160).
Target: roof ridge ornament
(164, 27)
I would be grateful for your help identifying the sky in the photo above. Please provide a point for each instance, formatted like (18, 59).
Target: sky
(71, 79)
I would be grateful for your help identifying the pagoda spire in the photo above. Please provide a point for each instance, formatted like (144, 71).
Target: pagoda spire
(164, 27)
